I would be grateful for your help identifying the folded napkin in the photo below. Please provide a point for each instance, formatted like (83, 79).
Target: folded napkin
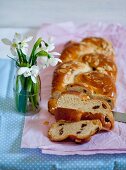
(36, 126)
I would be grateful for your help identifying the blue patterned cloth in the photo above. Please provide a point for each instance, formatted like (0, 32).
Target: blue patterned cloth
(12, 157)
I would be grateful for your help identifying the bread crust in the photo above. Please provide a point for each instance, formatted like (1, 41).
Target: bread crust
(95, 45)
(97, 83)
(100, 46)
(72, 51)
(52, 105)
(76, 115)
(100, 63)
(64, 74)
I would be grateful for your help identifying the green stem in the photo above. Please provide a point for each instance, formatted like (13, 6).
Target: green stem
(28, 91)
(19, 55)
(32, 59)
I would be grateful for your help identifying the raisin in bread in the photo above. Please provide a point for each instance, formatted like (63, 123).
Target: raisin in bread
(71, 106)
(78, 132)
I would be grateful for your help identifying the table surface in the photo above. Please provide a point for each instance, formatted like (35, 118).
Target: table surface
(11, 125)
(12, 157)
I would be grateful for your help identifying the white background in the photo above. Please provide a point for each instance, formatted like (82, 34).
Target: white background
(32, 13)
(28, 15)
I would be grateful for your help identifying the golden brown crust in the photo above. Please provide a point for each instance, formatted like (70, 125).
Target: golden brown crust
(100, 63)
(64, 74)
(52, 105)
(100, 46)
(72, 51)
(80, 141)
(68, 114)
(97, 83)
(90, 45)
(69, 43)
(76, 115)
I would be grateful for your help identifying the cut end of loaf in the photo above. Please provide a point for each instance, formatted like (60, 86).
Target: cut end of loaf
(72, 107)
(77, 131)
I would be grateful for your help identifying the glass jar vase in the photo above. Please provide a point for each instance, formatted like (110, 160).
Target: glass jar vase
(27, 94)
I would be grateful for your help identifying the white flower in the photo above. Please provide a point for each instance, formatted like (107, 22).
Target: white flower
(53, 61)
(45, 61)
(50, 44)
(52, 54)
(51, 47)
(34, 73)
(27, 72)
(48, 47)
(19, 42)
(12, 45)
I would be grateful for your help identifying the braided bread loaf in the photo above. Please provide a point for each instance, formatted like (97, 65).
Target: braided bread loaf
(87, 74)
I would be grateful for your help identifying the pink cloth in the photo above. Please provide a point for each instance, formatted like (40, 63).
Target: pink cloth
(35, 131)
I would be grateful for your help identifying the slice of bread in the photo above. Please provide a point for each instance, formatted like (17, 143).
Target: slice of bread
(78, 132)
(79, 87)
(52, 103)
(71, 106)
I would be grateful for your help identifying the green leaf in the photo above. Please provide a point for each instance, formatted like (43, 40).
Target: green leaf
(32, 59)
(35, 91)
(24, 65)
(23, 56)
(22, 107)
(19, 55)
(17, 64)
(41, 53)
(21, 94)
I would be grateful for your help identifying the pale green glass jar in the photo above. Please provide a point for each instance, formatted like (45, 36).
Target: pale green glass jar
(27, 94)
